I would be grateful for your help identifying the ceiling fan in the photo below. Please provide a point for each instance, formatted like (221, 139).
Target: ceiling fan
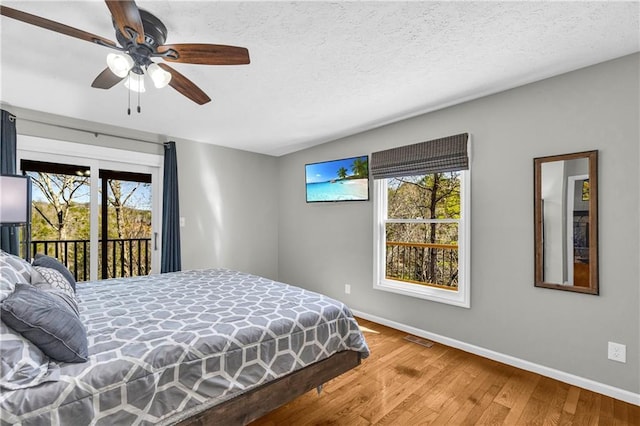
(141, 36)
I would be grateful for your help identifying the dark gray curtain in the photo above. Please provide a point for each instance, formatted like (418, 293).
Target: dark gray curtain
(8, 234)
(171, 261)
(435, 156)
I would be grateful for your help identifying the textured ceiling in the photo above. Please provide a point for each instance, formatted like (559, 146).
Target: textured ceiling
(319, 70)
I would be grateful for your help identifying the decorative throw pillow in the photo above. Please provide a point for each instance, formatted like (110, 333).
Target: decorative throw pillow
(47, 320)
(54, 282)
(22, 364)
(51, 279)
(12, 270)
(50, 262)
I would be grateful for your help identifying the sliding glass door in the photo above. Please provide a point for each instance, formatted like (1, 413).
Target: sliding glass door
(98, 215)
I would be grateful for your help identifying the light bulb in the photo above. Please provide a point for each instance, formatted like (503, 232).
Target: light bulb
(119, 63)
(135, 82)
(159, 76)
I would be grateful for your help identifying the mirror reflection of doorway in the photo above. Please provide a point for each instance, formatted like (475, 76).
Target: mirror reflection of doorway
(578, 227)
(581, 248)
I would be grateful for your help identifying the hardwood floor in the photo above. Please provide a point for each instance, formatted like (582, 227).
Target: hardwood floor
(405, 383)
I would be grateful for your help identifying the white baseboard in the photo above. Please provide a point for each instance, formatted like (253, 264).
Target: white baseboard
(617, 393)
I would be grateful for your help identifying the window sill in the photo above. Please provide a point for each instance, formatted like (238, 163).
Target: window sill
(450, 297)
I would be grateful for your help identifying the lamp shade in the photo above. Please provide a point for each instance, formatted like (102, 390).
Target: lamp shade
(15, 199)
(119, 63)
(159, 76)
(135, 82)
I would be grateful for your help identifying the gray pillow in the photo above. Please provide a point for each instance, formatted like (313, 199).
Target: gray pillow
(46, 319)
(50, 262)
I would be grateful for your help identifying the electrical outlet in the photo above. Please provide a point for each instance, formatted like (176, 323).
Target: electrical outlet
(617, 352)
(347, 288)
(182, 221)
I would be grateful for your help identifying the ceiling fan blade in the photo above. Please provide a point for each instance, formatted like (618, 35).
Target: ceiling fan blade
(185, 86)
(126, 15)
(55, 26)
(206, 54)
(106, 80)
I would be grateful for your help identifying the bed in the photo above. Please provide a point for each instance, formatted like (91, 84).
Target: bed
(196, 347)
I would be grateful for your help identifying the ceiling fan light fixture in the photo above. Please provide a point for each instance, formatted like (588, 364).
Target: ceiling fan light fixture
(140, 37)
(119, 63)
(159, 76)
(135, 83)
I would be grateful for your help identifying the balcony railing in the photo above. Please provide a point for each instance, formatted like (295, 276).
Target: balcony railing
(126, 257)
(423, 263)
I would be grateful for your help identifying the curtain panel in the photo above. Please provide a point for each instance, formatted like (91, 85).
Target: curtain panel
(170, 257)
(435, 156)
(8, 234)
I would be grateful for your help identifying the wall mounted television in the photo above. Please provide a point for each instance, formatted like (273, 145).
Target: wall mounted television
(338, 180)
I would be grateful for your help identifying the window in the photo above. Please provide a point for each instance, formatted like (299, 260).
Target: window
(421, 212)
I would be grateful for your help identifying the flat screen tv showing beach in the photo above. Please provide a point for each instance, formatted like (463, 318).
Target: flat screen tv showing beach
(338, 180)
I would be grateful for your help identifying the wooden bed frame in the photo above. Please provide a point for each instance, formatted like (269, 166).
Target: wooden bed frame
(257, 402)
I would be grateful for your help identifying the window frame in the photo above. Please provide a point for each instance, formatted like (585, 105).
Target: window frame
(461, 297)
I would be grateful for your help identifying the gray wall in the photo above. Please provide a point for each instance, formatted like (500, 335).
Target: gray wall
(324, 246)
(229, 198)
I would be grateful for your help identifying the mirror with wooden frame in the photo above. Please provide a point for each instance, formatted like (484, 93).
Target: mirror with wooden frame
(566, 222)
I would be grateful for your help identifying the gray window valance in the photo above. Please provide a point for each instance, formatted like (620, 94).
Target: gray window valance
(439, 155)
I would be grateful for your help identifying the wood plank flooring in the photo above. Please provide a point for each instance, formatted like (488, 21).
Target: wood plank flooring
(404, 383)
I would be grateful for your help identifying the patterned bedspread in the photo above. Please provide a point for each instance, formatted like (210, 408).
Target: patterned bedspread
(164, 347)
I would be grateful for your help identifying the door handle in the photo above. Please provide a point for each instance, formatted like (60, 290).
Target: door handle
(155, 241)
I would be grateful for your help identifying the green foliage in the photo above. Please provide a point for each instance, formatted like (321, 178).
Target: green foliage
(342, 173)
(137, 222)
(76, 222)
(434, 196)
